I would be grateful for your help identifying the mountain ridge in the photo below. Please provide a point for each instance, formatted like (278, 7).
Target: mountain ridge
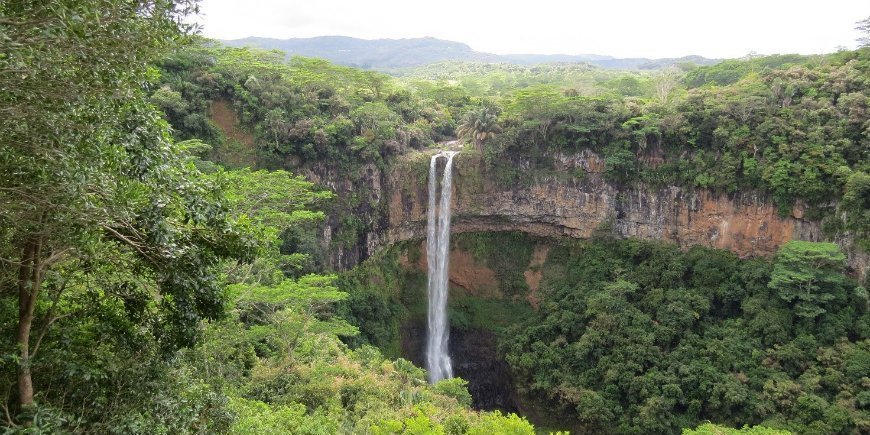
(391, 54)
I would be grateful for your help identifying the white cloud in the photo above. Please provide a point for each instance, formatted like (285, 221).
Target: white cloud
(622, 28)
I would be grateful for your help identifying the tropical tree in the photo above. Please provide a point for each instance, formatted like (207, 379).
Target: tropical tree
(281, 205)
(856, 204)
(666, 82)
(809, 275)
(480, 124)
(864, 27)
(90, 181)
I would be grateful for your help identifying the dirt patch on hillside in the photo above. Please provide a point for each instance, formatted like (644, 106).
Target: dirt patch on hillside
(474, 277)
(465, 271)
(238, 149)
(535, 273)
(223, 115)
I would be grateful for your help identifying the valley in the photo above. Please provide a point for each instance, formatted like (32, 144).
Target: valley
(396, 236)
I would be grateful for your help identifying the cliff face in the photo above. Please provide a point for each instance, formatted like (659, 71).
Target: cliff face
(569, 199)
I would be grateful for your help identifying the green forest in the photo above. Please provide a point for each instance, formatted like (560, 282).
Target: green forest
(168, 265)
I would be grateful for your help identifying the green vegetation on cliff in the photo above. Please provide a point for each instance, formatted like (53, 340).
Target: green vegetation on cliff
(793, 127)
(305, 109)
(799, 134)
(638, 337)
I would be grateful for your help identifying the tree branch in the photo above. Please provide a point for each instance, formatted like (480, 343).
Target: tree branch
(132, 243)
(7, 414)
(50, 319)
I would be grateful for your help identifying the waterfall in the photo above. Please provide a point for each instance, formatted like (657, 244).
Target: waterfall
(437, 257)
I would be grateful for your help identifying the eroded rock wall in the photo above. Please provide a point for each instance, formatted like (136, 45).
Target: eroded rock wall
(569, 199)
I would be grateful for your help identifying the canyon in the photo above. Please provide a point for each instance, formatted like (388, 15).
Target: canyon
(567, 196)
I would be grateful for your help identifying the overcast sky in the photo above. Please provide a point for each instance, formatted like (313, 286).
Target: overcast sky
(622, 28)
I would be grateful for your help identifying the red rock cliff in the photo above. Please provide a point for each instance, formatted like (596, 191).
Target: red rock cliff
(573, 200)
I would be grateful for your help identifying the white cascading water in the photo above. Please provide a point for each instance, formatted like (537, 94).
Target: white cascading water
(437, 256)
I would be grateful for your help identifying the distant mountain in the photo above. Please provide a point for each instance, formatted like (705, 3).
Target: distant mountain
(377, 54)
(391, 54)
(608, 61)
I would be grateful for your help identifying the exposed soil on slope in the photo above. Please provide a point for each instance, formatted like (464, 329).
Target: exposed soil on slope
(534, 273)
(239, 148)
(223, 115)
(465, 271)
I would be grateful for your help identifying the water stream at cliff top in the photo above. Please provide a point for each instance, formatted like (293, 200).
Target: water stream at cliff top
(437, 256)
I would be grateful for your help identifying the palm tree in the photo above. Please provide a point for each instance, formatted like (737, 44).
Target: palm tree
(480, 125)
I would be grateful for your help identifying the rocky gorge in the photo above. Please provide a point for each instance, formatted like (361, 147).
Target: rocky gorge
(540, 201)
(568, 196)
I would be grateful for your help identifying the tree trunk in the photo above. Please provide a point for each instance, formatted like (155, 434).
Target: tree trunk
(29, 282)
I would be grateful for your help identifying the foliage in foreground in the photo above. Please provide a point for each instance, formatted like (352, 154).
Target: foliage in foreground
(286, 371)
(276, 364)
(281, 361)
(108, 235)
(712, 429)
(116, 250)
